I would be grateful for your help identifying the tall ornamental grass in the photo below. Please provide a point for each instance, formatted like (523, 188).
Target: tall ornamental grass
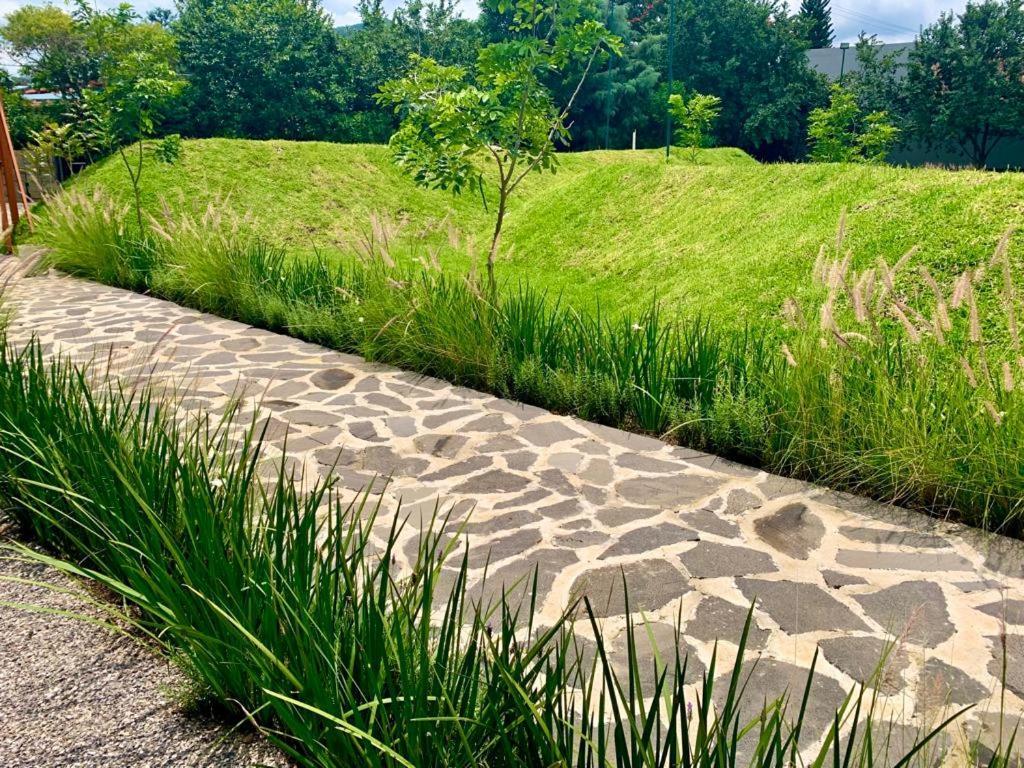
(887, 388)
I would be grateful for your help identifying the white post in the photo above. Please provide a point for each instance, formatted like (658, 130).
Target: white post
(634, 140)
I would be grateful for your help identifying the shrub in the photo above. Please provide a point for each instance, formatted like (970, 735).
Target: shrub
(842, 133)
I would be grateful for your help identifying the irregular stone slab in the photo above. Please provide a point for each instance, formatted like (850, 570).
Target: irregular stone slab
(709, 560)
(497, 550)
(717, 620)
(459, 469)
(648, 539)
(657, 647)
(869, 660)
(645, 463)
(547, 433)
(331, 378)
(838, 579)
(652, 584)
(527, 499)
(798, 607)
(667, 492)
(941, 686)
(1012, 673)
(916, 608)
(493, 481)
(616, 516)
(517, 580)
(741, 501)
(882, 536)
(768, 680)
(1010, 611)
(933, 562)
(793, 530)
(507, 521)
(707, 521)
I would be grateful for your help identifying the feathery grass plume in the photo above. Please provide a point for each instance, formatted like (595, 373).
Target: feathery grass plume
(997, 417)
(941, 312)
(912, 331)
(1007, 377)
(1002, 247)
(902, 261)
(820, 266)
(1009, 294)
(974, 315)
(792, 314)
(960, 289)
(859, 300)
(788, 354)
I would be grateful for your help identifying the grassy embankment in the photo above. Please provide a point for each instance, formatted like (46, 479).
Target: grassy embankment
(899, 380)
(728, 238)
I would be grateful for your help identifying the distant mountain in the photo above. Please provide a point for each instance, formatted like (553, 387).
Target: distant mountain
(348, 30)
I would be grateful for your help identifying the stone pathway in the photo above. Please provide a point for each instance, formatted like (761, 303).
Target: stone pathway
(698, 538)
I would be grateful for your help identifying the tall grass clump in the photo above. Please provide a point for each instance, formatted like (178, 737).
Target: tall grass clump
(887, 388)
(285, 604)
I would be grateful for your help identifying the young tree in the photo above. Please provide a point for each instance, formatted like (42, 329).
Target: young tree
(694, 118)
(842, 133)
(817, 15)
(505, 114)
(134, 96)
(965, 84)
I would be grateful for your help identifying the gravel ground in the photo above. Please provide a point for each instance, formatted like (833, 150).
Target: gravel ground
(73, 693)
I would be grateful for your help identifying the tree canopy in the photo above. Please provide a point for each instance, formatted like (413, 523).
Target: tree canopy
(965, 84)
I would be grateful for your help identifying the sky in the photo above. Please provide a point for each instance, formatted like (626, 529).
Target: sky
(891, 20)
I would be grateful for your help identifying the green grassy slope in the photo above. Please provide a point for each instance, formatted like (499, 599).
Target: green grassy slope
(728, 237)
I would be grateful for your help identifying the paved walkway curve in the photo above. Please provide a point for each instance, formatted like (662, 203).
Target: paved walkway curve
(696, 536)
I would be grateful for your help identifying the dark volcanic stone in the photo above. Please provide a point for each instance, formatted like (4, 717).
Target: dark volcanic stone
(648, 538)
(651, 584)
(919, 607)
(492, 481)
(331, 378)
(800, 607)
(719, 620)
(868, 660)
(667, 492)
(440, 445)
(793, 530)
(941, 686)
(1010, 611)
(709, 560)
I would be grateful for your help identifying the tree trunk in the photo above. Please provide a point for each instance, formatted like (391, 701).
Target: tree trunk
(496, 239)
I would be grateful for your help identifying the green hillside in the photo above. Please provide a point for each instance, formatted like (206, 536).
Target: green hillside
(726, 236)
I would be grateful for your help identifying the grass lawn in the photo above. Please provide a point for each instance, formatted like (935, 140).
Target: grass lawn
(726, 237)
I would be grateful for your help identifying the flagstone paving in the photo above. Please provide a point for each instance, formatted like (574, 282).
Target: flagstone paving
(698, 538)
